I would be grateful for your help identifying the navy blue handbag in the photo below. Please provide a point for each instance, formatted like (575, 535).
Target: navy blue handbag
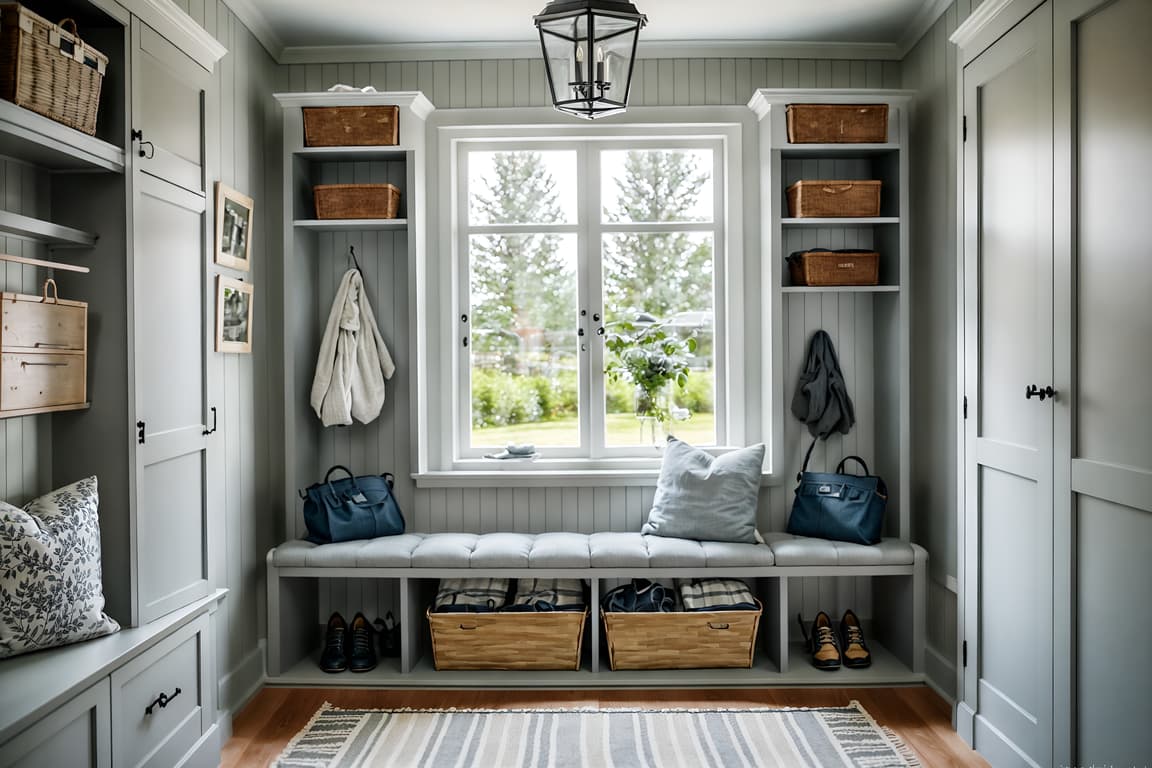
(351, 508)
(833, 505)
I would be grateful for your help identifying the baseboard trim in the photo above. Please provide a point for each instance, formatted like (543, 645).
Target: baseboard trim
(941, 673)
(964, 720)
(242, 682)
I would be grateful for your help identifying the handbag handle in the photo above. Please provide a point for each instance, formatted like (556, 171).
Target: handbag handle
(333, 469)
(807, 455)
(857, 459)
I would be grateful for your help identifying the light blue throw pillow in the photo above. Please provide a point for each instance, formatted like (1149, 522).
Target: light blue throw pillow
(705, 497)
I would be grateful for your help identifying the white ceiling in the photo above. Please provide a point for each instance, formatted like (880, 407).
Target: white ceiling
(294, 27)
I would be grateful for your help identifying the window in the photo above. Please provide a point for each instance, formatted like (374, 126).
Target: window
(584, 267)
(561, 247)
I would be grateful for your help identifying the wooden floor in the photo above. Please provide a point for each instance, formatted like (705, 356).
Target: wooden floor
(920, 717)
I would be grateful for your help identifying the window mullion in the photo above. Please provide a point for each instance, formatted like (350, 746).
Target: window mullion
(456, 329)
(594, 251)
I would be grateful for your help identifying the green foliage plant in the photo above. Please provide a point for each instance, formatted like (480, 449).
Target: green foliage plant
(651, 358)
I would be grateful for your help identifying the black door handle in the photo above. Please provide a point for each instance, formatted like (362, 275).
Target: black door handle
(1033, 390)
(210, 431)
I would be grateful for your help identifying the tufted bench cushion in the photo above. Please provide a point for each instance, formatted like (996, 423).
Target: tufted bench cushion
(582, 551)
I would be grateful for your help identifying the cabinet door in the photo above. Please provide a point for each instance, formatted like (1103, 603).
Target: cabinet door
(1103, 493)
(1008, 437)
(169, 252)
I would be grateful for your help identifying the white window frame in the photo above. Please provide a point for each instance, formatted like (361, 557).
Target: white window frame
(437, 457)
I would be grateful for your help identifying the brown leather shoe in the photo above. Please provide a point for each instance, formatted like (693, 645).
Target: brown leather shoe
(855, 651)
(822, 643)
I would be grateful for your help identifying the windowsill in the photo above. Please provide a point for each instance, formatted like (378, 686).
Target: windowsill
(542, 477)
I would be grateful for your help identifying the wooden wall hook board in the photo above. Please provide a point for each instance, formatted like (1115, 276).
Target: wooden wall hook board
(55, 293)
(42, 263)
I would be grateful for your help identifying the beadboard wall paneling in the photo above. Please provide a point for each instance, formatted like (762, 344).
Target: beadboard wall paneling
(26, 441)
(243, 387)
(930, 69)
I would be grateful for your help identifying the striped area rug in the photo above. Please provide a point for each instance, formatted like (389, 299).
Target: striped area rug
(604, 738)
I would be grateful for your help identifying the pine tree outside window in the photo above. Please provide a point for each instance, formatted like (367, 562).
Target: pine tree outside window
(564, 243)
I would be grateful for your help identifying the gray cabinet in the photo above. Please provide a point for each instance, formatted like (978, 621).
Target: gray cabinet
(77, 735)
(1058, 490)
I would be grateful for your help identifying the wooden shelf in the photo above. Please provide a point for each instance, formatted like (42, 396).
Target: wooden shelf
(886, 669)
(841, 289)
(337, 225)
(48, 409)
(838, 150)
(352, 153)
(55, 235)
(35, 139)
(862, 221)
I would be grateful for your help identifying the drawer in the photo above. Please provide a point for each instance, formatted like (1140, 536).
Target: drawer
(41, 380)
(160, 700)
(35, 325)
(75, 735)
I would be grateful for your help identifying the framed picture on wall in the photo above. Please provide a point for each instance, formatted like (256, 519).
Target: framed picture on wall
(233, 228)
(233, 315)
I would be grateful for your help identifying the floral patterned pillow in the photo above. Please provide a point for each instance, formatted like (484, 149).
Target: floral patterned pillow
(51, 591)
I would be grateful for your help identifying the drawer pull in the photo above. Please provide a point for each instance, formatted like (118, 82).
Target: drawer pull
(162, 701)
(47, 345)
(717, 625)
(25, 364)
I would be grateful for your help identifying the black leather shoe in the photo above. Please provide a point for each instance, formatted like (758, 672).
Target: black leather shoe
(389, 632)
(361, 653)
(854, 650)
(334, 657)
(822, 643)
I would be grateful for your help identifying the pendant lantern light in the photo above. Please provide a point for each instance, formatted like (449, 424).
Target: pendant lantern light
(589, 50)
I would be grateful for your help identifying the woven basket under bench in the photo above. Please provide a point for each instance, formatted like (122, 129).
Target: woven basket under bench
(513, 640)
(48, 69)
(682, 639)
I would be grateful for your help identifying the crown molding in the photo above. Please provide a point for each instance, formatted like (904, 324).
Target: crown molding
(980, 18)
(252, 17)
(929, 13)
(648, 49)
(171, 21)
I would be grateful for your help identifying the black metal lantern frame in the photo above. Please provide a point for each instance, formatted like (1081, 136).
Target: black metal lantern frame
(589, 49)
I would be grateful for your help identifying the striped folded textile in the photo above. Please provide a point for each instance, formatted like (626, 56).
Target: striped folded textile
(548, 595)
(715, 595)
(471, 595)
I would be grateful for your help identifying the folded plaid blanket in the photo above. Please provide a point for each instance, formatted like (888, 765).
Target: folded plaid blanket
(715, 595)
(471, 595)
(548, 595)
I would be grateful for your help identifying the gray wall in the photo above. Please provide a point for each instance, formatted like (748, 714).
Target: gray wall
(930, 69)
(249, 152)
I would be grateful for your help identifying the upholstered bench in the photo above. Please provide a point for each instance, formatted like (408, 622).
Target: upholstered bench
(418, 559)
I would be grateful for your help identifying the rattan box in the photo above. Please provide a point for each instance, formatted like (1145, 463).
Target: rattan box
(682, 639)
(848, 198)
(356, 201)
(843, 267)
(837, 123)
(513, 640)
(369, 126)
(48, 69)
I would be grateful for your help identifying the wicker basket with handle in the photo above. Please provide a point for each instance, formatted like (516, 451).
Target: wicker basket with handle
(837, 123)
(356, 201)
(846, 198)
(514, 640)
(48, 69)
(682, 640)
(843, 267)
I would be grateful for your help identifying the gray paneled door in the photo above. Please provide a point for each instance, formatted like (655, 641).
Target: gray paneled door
(1008, 436)
(169, 257)
(1103, 197)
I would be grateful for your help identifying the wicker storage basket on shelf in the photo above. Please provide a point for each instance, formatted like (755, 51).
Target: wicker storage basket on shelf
(356, 201)
(515, 640)
(376, 126)
(845, 267)
(48, 69)
(682, 640)
(848, 198)
(837, 123)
